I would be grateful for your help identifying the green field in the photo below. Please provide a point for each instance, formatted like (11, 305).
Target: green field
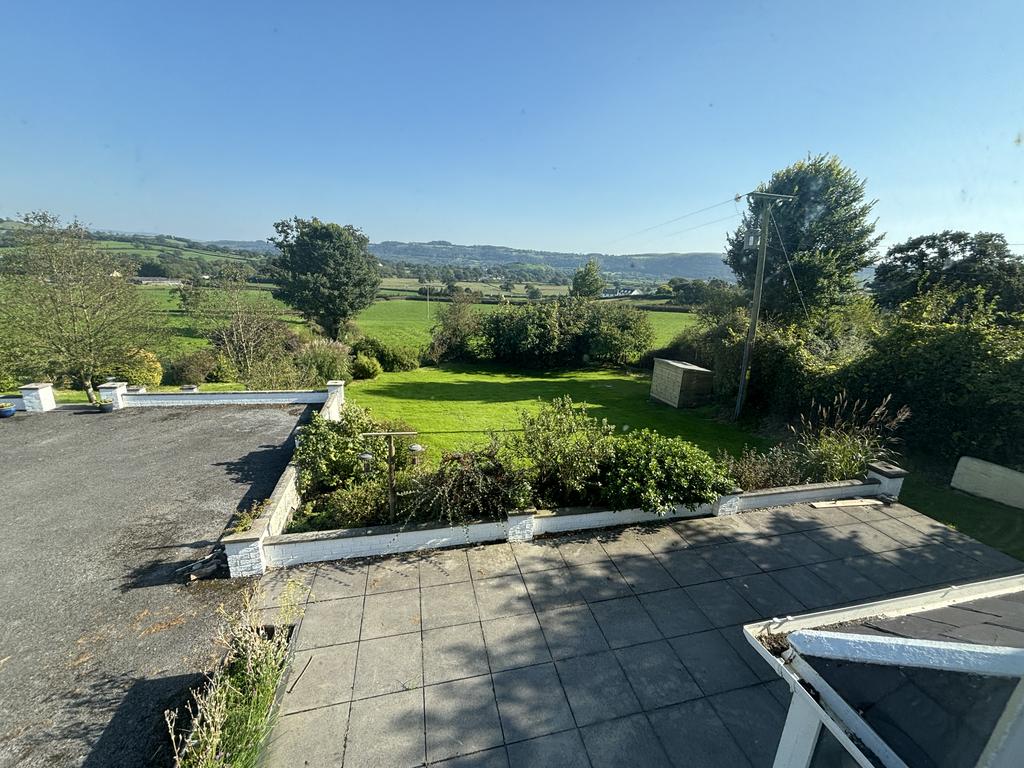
(410, 285)
(462, 402)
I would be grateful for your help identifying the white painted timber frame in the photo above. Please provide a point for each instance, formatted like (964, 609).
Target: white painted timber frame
(826, 708)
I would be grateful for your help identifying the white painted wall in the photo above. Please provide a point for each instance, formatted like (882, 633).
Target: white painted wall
(990, 481)
(164, 399)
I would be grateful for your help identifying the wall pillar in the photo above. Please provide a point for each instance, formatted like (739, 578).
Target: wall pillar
(38, 398)
(339, 387)
(889, 476)
(114, 391)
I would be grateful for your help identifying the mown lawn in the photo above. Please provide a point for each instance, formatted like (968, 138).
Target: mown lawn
(995, 524)
(453, 406)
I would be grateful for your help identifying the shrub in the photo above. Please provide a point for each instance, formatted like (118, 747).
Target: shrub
(322, 360)
(223, 370)
(274, 372)
(561, 448)
(471, 485)
(837, 442)
(753, 469)
(618, 333)
(141, 368)
(327, 452)
(364, 367)
(455, 334)
(194, 368)
(657, 473)
(391, 358)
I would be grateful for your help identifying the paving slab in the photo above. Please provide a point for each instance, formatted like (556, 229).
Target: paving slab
(713, 662)
(453, 652)
(330, 622)
(390, 613)
(316, 737)
(386, 730)
(515, 641)
(625, 741)
(557, 750)
(320, 677)
(531, 702)
(388, 665)
(625, 622)
(657, 675)
(596, 687)
(461, 718)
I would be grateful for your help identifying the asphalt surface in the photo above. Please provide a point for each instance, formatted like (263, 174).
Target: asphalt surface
(98, 636)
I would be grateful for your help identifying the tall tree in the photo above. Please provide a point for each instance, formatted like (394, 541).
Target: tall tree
(67, 304)
(587, 282)
(827, 232)
(951, 260)
(325, 271)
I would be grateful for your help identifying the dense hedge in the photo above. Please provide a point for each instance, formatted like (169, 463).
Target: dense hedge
(565, 332)
(962, 376)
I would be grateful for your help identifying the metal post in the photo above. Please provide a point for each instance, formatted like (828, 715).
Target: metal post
(755, 305)
(755, 309)
(391, 475)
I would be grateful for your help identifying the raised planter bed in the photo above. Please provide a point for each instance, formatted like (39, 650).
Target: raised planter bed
(265, 546)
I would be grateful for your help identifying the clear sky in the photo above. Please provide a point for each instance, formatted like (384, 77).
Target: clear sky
(552, 125)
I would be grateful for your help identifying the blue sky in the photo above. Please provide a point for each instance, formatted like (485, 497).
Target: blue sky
(553, 125)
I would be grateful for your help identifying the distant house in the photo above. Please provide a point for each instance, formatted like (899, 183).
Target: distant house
(168, 281)
(613, 293)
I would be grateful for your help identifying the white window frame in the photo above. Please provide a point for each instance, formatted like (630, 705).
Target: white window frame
(826, 708)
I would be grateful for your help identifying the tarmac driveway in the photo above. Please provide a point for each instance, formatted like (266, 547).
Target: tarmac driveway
(98, 510)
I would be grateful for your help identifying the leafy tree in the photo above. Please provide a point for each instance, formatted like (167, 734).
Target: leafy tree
(66, 305)
(951, 260)
(587, 282)
(256, 344)
(325, 271)
(827, 233)
(456, 327)
(534, 293)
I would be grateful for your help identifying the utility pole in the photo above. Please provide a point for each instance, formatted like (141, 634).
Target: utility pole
(755, 304)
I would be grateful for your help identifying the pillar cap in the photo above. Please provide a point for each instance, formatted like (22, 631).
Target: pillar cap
(887, 469)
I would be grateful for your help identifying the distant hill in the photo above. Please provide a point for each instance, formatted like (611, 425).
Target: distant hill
(640, 265)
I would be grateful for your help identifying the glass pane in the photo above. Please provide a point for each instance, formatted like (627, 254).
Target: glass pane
(829, 753)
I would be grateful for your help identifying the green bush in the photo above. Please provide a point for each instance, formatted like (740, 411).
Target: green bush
(142, 369)
(567, 331)
(327, 452)
(470, 486)
(561, 448)
(223, 370)
(194, 368)
(391, 358)
(360, 505)
(364, 367)
(656, 473)
(322, 360)
(776, 467)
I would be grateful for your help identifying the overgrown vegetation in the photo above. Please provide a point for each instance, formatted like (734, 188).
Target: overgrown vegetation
(833, 442)
(229, 718)
(562, 457)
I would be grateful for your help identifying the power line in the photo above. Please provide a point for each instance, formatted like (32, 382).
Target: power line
(789, 264)
(705, 224)
(733, 199)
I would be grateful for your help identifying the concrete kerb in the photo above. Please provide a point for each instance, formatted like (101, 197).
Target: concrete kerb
(280, 550)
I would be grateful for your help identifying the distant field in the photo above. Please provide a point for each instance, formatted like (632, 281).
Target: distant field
(153, 250)
(667, 325)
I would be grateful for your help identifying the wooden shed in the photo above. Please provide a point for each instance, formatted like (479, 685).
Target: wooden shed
(681, 384)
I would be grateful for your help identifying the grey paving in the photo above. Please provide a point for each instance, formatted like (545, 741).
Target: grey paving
(99, 634)
(610, 648)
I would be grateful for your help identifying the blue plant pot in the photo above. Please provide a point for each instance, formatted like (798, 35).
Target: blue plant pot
(6, 413)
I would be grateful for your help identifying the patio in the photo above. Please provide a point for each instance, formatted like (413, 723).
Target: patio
(614, 648)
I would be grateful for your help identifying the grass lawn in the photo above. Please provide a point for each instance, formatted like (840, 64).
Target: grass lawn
(987, 521)
(667, 325)
(462, 402)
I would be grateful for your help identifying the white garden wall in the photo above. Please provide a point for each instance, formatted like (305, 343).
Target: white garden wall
(990, 481)
(285, 549)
